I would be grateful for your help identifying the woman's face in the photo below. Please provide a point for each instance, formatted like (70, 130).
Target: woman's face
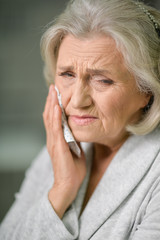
(99, 94)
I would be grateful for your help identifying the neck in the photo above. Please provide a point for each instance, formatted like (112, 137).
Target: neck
(103, 154)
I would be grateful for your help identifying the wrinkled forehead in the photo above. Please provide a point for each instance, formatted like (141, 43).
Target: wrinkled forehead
(98, 51)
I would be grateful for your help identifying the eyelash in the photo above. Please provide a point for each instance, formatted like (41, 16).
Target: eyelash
(70, 75)
(67, 74)
(106, 81)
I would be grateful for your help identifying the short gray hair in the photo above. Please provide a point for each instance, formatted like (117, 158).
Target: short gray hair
(134, 34)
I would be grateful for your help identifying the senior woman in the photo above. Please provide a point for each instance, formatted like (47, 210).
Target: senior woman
(104, 57)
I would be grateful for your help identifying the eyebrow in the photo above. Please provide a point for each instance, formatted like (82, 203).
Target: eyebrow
(89, 70)
(66, 68)
(97, 71)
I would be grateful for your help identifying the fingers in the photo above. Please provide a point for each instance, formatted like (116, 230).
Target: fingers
(57, 120)
(53, 123)
(51, 110)
(49, 106)
(46, 109)
(57, 129)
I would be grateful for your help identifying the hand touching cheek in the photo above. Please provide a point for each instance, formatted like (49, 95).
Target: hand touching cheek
(69, 170)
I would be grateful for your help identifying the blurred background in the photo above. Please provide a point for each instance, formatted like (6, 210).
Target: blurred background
(22, 88)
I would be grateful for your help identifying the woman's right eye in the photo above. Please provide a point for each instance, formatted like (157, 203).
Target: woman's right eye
(67, 74)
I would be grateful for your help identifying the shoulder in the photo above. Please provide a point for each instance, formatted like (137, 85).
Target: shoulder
(149, 143)
(154, 137)
(149, 149)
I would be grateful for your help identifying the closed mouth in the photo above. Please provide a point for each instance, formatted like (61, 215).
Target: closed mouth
(82, 120)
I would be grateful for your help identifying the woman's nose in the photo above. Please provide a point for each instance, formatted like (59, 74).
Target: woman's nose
(81, 97)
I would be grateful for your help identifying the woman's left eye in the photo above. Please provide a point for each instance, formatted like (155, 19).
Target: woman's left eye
(106, 81)
(101, 80)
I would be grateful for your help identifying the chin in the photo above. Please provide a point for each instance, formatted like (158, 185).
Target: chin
(81, 136)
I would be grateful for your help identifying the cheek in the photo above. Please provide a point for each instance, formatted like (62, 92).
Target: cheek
(115, 109)
(111, 105)
(65, 95)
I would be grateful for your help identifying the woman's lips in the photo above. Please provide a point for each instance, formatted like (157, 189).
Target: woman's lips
(82, 120)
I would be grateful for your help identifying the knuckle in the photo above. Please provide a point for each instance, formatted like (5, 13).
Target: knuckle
(49, 123)
(45, 121)
(44, 114)
(51, 148)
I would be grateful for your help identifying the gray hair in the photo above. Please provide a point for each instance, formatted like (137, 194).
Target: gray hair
(134, 34)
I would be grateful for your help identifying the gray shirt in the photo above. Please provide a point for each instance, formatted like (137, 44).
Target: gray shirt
(124, 206)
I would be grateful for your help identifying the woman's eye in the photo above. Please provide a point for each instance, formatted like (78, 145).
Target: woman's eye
(101, 84)
(66, 74)
(100, 80)
(106, 81)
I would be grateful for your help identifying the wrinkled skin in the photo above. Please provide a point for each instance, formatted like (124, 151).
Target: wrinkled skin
(100, 99)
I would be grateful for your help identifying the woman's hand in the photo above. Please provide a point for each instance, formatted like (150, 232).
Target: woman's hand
(69, 170)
